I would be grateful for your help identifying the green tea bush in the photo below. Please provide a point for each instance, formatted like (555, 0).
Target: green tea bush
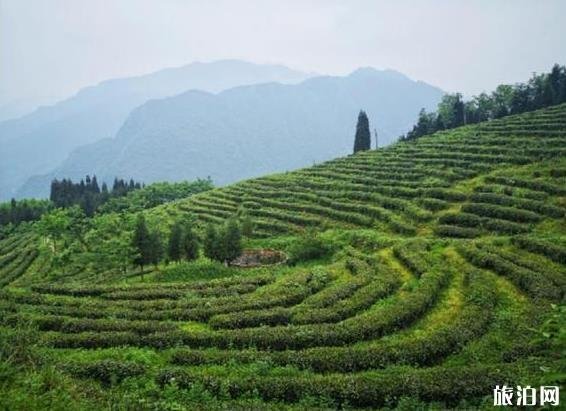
(309, 247)
(531, 205)
(553, 251)
(375, 389)
(530, 184)
(534, 283)
(106, 371)
(456, 231)
(500, 212)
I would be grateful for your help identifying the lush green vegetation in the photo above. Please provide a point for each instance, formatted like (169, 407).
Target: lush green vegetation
(418, 275)
(86, 194)
(542, 90)
(16, 212)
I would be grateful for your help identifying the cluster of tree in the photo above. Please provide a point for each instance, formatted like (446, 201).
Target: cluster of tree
(65, 230)
(154, 194)
(183, 243)
(542, 90)
(87, 193)
(224, 244)
(221, 244)
(147, 244)
(15, 212)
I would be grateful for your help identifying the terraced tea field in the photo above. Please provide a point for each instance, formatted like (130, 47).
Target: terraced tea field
(444, 275)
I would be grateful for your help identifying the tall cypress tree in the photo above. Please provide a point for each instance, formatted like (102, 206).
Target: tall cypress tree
(362, 140)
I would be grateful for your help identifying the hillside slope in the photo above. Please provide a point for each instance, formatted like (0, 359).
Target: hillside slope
(404, 188)
(442, 275)
(40, 141)
(248, 131)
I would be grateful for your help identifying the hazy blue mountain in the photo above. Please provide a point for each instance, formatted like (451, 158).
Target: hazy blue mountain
(12, 109)
(40, 141)
(248, 131)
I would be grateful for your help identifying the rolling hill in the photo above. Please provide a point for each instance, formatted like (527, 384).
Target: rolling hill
(247, 131)
(38, 142)
(438, 272)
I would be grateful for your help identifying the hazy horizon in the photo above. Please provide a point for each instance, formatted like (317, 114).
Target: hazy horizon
(50, 50)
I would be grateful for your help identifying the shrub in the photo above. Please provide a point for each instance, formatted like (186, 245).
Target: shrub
(433, 204)
(456, 232)
(410, 254)
(309, 247)
(558, 172)
(422, 348)
(106, 371)
(554, 252)
(505, 213)
(377, 389)
(532, 282)
(531, 205)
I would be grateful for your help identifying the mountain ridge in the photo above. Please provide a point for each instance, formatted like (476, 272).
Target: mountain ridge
(36, 143)
(313, 121)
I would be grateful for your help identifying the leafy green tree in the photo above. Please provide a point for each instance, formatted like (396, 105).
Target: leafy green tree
(54, 225)
(247, 226)
(16, 212)
(175, 245)
(190, 245)
(155, 248)
(142, 242)
(212, 243)
(451, 110)
(232, 239)
(110, 243)
(64, 230)
(425, 125)
(542, 90)
(502, 98)
(484, 106)
(153, 195)
(362, 140)
(521, 100)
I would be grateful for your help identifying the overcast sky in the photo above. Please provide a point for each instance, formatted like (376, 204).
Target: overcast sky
(54, 47)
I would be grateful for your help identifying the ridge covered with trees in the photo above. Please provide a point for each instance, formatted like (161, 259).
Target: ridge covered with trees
(122, 197)
(542, 90)
(87, 193)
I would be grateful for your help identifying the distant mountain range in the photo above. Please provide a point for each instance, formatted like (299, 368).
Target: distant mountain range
(38, 142)
(241, 132)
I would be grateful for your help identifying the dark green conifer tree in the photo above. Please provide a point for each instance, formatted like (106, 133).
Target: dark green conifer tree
(141, 242)
(362, 140)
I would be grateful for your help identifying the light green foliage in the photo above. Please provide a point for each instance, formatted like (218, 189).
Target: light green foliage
(110, 243)
(190, 244)
(232, 239)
